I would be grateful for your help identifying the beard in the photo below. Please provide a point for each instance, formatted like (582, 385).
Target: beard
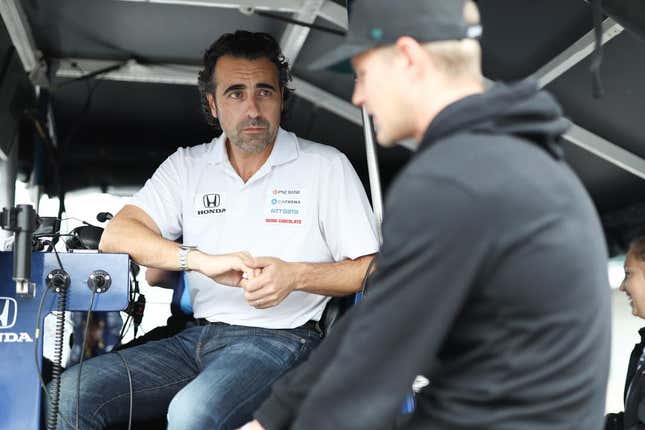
(256, 142)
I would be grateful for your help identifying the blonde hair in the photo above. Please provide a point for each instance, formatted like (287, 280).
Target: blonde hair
(459, 58)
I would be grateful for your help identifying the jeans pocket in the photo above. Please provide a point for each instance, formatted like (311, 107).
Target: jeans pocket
(287, 347)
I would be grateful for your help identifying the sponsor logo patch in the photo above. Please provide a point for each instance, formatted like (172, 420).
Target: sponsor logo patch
(210, 203)
(285, 206)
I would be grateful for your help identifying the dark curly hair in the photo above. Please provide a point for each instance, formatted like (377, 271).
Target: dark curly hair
(247, 45)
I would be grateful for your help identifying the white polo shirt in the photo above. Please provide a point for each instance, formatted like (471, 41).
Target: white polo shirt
(305, 204)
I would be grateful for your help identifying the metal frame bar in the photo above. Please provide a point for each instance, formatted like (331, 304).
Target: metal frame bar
(21, 35)
(576, 53)
(131, 71)
(606, 150)
(187, 75)
(294, 36)
(330, 11)
(268, 5)
(578, 135)
(336, 14)
(326, 100)
(373, 171)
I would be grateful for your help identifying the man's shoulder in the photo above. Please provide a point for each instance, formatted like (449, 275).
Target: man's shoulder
(191, 154)
(489, 161)
(318, 150)
(198, 151)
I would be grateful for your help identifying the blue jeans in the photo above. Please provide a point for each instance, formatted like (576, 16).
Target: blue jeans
(206, 377)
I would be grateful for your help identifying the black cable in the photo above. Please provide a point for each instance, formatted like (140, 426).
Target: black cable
(66, 143)
(134, 289)
(124, 329)
(367, 274)
(83, 114)
(303, 24)
(52, 152)
(127, 368)
(86, 76)
(43, 386)
(80, 363)
(60, 263)
(58, 357)
(127, 327)
(53, 401)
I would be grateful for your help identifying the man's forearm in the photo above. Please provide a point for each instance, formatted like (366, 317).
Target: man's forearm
(161, 278)
(132, 231)
(333, 279)
(144, 245)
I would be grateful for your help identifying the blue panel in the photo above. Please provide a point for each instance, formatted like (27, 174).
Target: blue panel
(20, 392)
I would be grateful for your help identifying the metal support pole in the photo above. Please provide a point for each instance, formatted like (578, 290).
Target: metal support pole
(373, 171)
(8, 171)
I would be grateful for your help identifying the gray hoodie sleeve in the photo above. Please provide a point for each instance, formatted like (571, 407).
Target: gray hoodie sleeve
(290, 391)
(435, 240)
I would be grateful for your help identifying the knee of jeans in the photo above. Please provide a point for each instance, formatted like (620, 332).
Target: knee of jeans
(188, 411)
(69, 392)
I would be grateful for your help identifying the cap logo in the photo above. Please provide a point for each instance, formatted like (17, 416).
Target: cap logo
(377, 34)
(474, 32)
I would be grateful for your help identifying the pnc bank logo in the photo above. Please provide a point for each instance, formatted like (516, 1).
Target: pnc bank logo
(8, 312)
(211, 200)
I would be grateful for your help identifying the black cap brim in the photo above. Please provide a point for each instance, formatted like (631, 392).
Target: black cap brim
(339, 58)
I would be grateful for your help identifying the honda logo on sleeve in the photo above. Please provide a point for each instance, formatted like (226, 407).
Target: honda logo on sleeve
(211, 200)
(8, 312)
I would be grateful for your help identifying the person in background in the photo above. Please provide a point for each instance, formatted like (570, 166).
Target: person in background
(634, 287)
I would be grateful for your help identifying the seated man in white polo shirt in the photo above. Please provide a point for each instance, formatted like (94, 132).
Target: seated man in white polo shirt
(296, 206)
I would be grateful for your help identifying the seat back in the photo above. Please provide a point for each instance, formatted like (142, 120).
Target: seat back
(335, 308)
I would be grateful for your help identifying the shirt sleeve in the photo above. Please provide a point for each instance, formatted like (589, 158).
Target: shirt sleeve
(435, 240)
(161, 196)
(346, 218)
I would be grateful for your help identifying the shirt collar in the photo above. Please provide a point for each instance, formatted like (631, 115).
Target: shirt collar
(284, 150)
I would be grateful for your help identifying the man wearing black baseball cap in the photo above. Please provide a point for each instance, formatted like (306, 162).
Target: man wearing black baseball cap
(492, 278)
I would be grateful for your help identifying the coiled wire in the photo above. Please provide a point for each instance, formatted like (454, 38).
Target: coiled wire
(52, 418)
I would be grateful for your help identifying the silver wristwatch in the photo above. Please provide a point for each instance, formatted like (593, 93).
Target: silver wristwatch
(183, 257)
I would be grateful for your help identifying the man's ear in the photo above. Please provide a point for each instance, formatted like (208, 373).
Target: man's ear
(211, 104)
(412, 55)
